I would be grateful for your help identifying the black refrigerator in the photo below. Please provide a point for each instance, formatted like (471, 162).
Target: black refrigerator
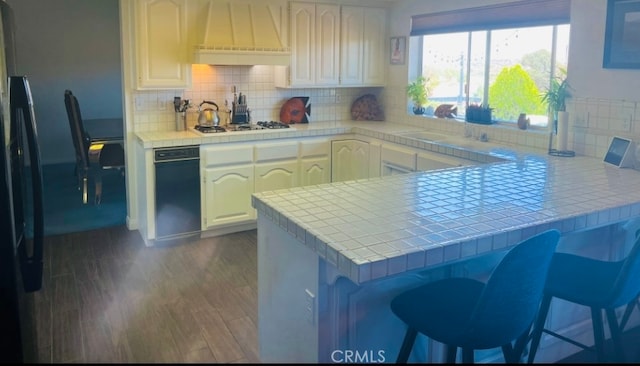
(21, 262)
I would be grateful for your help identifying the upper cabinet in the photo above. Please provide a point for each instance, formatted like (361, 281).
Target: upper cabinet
(162, 44)
(333, 46)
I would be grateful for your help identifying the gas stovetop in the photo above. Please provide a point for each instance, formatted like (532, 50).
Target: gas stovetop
(259, 126)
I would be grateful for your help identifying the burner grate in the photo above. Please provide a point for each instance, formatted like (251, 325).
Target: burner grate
(210, 129)
(272, 124)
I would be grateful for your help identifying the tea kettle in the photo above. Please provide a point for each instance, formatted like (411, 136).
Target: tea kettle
(208, 116)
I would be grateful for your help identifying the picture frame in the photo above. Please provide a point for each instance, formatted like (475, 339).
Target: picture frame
(622, 35)
(397, 50)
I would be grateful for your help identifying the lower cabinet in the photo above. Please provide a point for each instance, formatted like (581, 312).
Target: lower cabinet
(349, 160)
(228, 193)
(276, 165)
(228, 183)
(395, 159)
(232, 172)
(315, 162)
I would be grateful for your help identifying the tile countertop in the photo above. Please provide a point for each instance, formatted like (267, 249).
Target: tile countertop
(191, 137)
(380, 227)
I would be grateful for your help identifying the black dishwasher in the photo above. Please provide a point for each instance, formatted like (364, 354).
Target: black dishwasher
(177, 192)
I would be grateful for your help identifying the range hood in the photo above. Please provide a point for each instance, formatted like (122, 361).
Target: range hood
(244, 33)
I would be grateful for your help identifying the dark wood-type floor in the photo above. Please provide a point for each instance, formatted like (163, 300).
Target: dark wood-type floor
(107, 298)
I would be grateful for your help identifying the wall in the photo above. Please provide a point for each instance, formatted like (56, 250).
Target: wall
(68, 44)
(605, 102)
(214, 83)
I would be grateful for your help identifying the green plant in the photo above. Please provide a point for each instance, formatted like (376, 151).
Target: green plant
(555, 96)
(418, 91)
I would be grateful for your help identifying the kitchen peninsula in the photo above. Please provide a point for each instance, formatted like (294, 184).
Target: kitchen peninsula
(332, 256)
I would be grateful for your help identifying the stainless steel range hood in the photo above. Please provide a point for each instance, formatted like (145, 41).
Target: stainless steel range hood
(244, 33)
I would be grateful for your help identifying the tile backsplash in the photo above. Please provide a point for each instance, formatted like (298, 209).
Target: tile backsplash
(153, 110)
(592, 122)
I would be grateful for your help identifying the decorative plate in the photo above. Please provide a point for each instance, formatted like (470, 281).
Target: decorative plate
(296, 110)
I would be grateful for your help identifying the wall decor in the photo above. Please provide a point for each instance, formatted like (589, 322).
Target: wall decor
(296, 110)
(398, 47)
(622, 35)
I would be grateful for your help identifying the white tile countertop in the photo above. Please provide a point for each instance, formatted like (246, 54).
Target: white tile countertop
(191, 137)
(380, 227)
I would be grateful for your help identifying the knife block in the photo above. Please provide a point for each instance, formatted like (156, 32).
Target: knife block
(240, 114)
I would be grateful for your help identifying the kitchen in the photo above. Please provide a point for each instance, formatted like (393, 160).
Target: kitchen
(590, 80)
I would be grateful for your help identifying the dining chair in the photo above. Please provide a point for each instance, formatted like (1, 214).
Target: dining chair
(472, 315)
(93, 155)
(603, 286)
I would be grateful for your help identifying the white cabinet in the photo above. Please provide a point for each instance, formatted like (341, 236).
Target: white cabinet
(349, 160)
(315, 162)
(333, 46)
(431, 160)
(363, 36)
(315, 41)
(396, 159)
(276, 166)
(162, 44)
(374, 64)
(228, 185)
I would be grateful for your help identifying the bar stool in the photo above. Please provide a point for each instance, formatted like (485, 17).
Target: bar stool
(599, 285)
(469, 314)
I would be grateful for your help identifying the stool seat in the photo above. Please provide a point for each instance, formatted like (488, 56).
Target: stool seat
(472, 315)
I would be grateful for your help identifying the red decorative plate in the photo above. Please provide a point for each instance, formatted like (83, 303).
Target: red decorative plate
(295, 110)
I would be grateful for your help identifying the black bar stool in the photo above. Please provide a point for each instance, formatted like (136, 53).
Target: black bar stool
(470, 314)
(600, 285)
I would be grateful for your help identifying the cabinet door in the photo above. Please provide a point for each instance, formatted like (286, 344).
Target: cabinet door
(349, 160)
(352, 51)
(303, 58)
(162, 48)
(276, 175)
(327, 44)
(228, 193)
(375, 38)
(315, 170)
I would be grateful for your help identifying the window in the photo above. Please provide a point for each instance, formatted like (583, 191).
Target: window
(503, 66)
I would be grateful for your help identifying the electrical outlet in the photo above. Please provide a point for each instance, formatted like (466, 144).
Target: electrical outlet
(310, 306)
(338, 98)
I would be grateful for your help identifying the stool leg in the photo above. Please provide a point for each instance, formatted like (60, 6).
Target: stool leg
(616, 335)
(598, 333)
(467, 355)
(538, 327)
(452, 352)
(627, 312)
(407, 345)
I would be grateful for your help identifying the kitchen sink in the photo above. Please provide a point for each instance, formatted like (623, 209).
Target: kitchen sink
(459, 141)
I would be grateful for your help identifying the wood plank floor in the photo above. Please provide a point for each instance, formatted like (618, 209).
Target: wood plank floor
(107, 298)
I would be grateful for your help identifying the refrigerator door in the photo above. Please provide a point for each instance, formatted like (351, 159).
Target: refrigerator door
(20, 257)
(24, 132)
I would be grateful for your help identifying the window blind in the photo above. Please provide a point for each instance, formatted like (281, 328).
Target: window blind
(507, 15)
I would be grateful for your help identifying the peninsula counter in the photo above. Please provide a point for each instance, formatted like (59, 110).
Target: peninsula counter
(332, 256)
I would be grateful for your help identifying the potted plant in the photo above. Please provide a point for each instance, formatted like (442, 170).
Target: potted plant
(417, 92)
(555, 96)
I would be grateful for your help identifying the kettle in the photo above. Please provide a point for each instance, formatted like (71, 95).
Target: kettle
(208, 116)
